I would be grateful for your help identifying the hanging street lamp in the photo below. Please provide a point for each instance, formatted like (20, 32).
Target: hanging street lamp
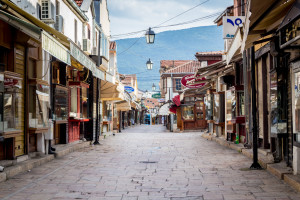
(149, 64)
(150, 36)
(153, 87)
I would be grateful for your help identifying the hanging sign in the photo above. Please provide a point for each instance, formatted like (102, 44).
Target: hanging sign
(189, 81)
(128, 89)
(230, 25)
(156, 96)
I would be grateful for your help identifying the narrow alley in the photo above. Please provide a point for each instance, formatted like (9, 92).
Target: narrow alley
(146, 162)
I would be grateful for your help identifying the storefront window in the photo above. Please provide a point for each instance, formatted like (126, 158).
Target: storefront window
(188, 112)
(273, 102)
(60, 104)
(1, 100)
(241, 104)
(297, 106)
(219, 109)
(73, 109)
(209, 106)
(12, 103)
(229, 99)
(39, 106)
(84, 102)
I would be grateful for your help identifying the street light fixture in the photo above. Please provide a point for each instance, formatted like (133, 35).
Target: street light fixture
(153, 87)
(150, 36)
(149, 64)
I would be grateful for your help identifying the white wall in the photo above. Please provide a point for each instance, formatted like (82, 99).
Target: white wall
(104, 18)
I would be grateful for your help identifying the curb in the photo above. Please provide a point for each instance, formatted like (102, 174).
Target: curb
(24, 166)
(279, 170)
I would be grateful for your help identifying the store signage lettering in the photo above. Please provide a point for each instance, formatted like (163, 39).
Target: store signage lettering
(53, 47)
(128, 89)
(230, 25)
(189, 82)
(156, 96)
(10, 82)
(290, 32)
(161, 100)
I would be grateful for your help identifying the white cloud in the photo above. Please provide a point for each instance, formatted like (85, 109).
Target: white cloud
(134, 15)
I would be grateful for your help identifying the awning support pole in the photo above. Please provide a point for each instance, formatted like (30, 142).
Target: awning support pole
(255, 164)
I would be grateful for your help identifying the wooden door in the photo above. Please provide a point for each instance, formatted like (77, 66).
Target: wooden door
(200, 115)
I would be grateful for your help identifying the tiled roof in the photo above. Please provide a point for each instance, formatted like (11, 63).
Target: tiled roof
(169, 63)
(112, 45)
(211, 53)
(189, 67)
(78, 2)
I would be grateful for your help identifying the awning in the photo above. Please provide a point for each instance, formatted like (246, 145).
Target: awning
(52, 46)
(235, 47)
(176, 100)
(123, 106)
(292, 15)
(25, 27)
(85, 60)
(110, 91)
(164, 110)
(210, 67)
(61, 37)
(263, 17)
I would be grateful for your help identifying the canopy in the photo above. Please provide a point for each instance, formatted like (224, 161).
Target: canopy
(164, 110)
(176, 100)
(123, 106)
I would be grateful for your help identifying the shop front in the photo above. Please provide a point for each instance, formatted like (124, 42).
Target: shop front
(193, 112)
(18, 38)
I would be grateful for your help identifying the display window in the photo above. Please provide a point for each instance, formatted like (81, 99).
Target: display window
(39, 105)
(241, 104)
(229, 105)
(188, 112)
(74, 102)
(60, 104)
(12, 105)
(209, 106)
(219, 115)
(1, 100)
(297, 107)
(84, 103)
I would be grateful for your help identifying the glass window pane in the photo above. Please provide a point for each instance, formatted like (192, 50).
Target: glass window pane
(273, 102)
(73, 110)
(60, 104)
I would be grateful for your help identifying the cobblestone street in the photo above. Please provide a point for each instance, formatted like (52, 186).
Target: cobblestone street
(146, 162)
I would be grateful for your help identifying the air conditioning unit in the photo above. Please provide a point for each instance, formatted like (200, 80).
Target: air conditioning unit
(47, 12)
(95, 50)
(59, 25)
(86, 45)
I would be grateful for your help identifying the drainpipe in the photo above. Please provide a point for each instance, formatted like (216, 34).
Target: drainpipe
(255, 164)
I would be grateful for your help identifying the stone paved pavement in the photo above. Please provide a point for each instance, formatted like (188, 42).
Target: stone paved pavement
(146, 162)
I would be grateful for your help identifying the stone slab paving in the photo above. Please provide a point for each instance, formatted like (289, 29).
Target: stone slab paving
(149, 163)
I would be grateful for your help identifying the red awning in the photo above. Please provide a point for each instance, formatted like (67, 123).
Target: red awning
(173, 108)
(176, 100)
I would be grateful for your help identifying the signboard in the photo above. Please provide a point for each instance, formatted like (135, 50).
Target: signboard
(156, 96)
(230, 25)
(52, 46)
(128, 89)
(189, 81)
(161, 100)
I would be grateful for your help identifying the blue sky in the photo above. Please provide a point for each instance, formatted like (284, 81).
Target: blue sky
(134, 15)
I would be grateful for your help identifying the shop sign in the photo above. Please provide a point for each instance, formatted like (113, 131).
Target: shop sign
(82, 58)
(10, 82)
(161, 100)
(52, 46)
(189, 82)
(290, 32)
(128, 89)
(156, 96)
(230, 25)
